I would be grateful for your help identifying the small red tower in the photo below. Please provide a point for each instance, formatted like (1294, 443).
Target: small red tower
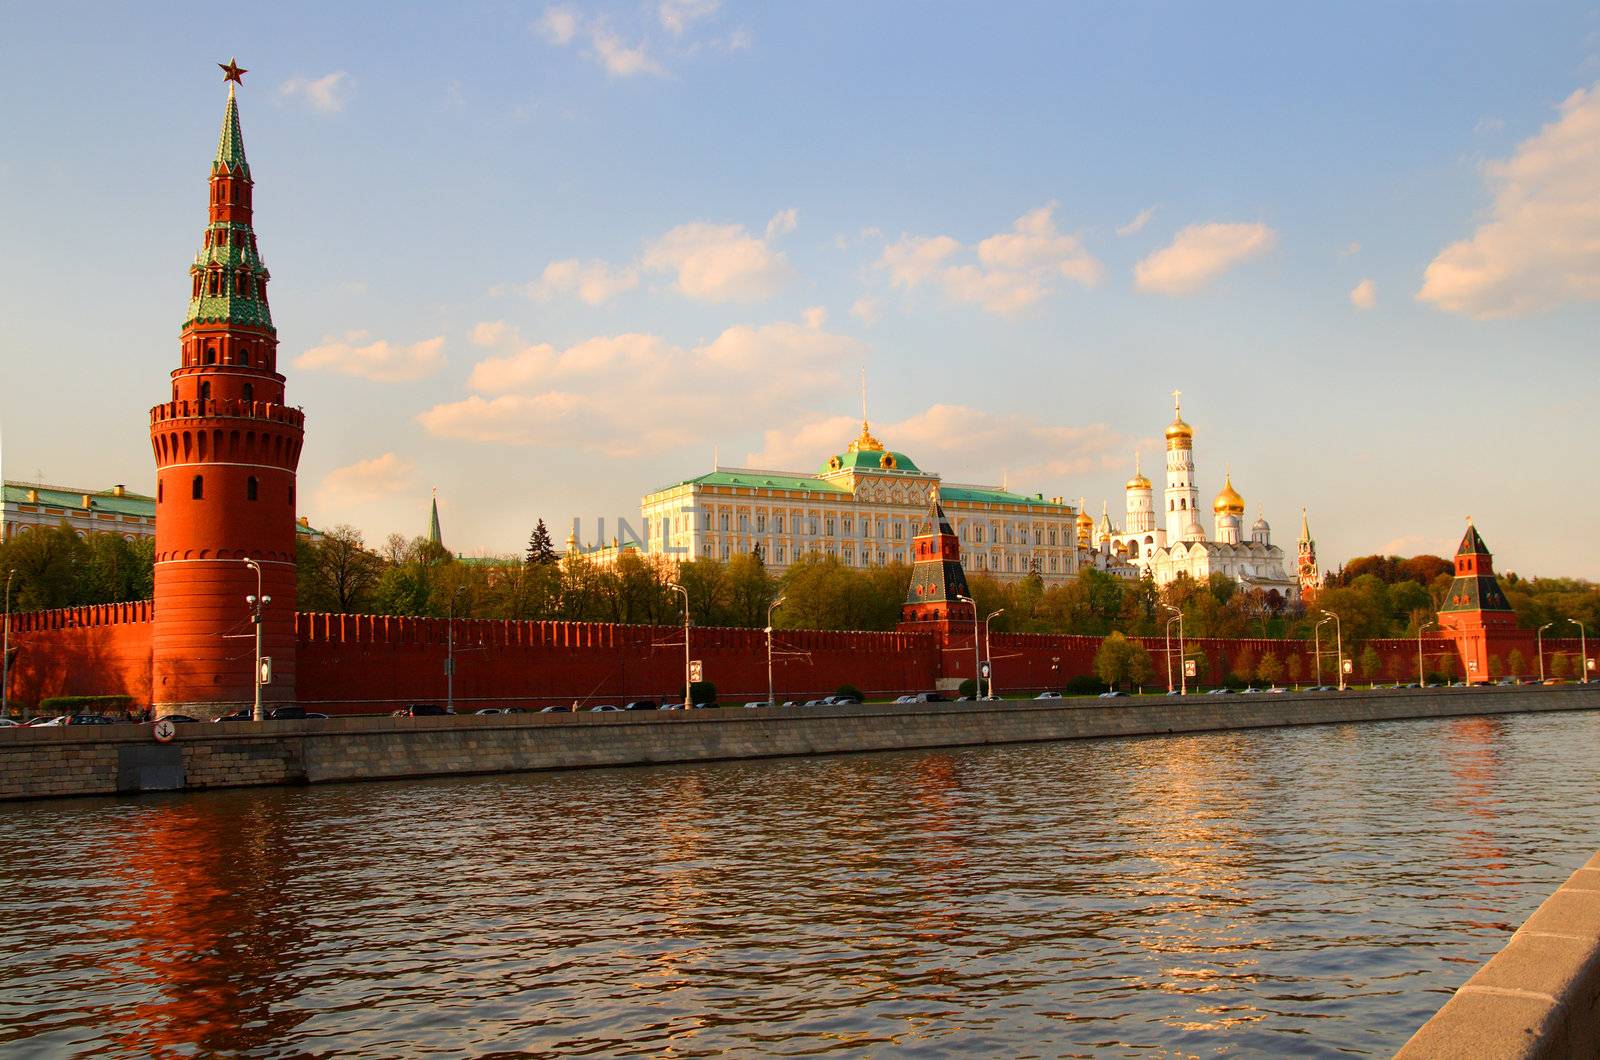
(226, 449)
(1476, 613)
(938, 582)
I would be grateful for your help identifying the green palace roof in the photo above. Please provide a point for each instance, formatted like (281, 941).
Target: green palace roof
(760, 480)
(982, 495)
(107, 501)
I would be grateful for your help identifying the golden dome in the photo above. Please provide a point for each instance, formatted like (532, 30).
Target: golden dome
(1179, 434)
(1228, 500)
(1138, 481)
(1085, 519)
(867, 443)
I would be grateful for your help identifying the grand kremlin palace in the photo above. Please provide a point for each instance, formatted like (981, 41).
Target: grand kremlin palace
(862, 506)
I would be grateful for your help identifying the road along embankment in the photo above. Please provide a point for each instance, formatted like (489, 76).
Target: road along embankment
(1539, 997)
(103, 760)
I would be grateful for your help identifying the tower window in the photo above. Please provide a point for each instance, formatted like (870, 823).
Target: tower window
(197, 489)
(161, 491)
(211, 347)
(251, 488)
(205, 392)
(249, 393)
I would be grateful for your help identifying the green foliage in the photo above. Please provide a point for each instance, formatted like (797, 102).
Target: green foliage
(819, 592)
(85, 704)
(1084, 685)
(701, 692)
(1370, 664)
(1517, 661)
(1122, 663)
(541, 549)
(1269, 669)
(57, 568)
(849, 690)
(968, 688)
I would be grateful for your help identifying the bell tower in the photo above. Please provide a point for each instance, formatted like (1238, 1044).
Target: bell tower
(226, 448)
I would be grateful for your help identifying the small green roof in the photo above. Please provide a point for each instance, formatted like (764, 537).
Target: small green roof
(230, 144)
(869, 460)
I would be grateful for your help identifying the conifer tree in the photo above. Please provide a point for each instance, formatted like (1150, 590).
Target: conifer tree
(541, 550)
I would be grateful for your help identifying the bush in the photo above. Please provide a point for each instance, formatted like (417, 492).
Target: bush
(86, 705)
(851, 691)
(1084, 685)
(968, 688)
(703, 692)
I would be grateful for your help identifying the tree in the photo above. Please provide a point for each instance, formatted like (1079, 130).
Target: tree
(337, 573)
(1559, 666)
(1295, 665)
(1495, 669)
(1517, 661)
(1244, 666)
(541, 549)
(1270, 669)
(1120, 662)
(1370, 664)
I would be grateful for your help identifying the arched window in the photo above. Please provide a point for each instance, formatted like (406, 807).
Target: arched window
(250, 488)
(249, 393)
(197, 489)
(211, 350)
(205, 391)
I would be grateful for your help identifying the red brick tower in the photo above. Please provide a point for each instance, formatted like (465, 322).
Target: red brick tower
(226, 449)
(937, 578)
(1476, 613)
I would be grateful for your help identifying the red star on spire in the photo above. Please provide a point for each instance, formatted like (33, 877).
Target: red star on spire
(232, 71)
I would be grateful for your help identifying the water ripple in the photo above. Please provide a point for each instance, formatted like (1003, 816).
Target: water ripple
(1311, 891)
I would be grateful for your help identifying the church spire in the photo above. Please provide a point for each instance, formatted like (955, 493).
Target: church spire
(230, 143)
(434, 536)
(228, 279)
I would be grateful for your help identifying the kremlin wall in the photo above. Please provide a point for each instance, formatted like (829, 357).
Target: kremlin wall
(227, 446)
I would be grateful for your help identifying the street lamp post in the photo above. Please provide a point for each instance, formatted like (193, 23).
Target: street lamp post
(688, 702)
(1338, 649)
(986, 649)
(1168, 632)
(450, 651)
(1316, 646)
(1422, 680)
(1538, 640)
(977, 663)
(772, 698)
(1583, 650)
(5, 655)
(258, 603)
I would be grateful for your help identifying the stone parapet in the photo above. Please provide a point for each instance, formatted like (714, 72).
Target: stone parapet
(46, 762)
(1539, 997)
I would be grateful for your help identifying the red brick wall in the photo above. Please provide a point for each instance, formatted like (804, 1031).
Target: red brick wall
(82, 651)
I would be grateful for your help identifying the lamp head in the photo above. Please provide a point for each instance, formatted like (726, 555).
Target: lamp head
(265, 600)
(251, 600)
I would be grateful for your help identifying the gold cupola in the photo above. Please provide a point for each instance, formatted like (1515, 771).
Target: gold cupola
(1179, 434)
(866, 443)
(1138, 481)
(1228, 500)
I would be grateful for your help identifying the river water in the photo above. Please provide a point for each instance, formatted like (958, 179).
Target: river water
(1312, 891)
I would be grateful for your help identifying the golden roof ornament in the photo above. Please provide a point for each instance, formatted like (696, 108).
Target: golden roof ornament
(1228, 500)
(866, 443)
(1138, 481)
(1179, 433)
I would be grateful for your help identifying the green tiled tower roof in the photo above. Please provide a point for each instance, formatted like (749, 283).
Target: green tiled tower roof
(230, 144)
(1475, 587)
(228, 257)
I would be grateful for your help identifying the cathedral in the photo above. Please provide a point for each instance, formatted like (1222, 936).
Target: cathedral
(1173, 541)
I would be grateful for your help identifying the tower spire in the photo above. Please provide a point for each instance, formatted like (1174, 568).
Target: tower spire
(434, 536)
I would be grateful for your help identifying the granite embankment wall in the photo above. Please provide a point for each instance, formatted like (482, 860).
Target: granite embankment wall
(89, 760)
(353, 664)
(1539, 997)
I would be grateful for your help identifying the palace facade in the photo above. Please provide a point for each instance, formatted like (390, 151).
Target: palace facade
(862, 506)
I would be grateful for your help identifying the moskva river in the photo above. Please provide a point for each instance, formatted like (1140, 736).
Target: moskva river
(1312, 891)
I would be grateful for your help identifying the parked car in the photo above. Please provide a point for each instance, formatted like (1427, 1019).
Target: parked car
(424, 710)
(1112, 694)
(484, 711)
(930, 697)
(89, 719)
(905, 699)
(605, 708)
(817, 703)
(287, 714)
(242, 714)
(178, 719)
(844, 701)
(1224, 691)
(557, 709)
(642, 704)
(41, 723)
(7, 723)
(757, 703)
(1048, 695)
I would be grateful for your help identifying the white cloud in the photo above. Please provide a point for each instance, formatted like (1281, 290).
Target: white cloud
(866, 309)
(1140, 219)
(1352, 248)
(1540, 248)
(815, 317)
(718, 263)
(915, 258)
(963, 444)
(367, 480)
(619, 59)
(378, 360)
(1199, 254)
(1364, 295)
(558, 24)
(676, 15)
(594, 282)
(328, 93)
(624, 395)
(783, 222)
(1015, 268)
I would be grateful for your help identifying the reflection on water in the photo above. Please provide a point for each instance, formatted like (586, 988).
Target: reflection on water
(1309, 891)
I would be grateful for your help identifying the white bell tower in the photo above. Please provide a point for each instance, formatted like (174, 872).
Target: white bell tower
(1182, 496)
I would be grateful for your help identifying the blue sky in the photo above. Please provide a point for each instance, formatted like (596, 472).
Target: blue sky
(549, 257)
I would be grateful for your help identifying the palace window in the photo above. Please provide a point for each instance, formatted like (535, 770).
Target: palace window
(780, 554)
(744, 523)
(722, 521)
(830, 527)
(849, 526)
(777, 523)
(761, 523)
